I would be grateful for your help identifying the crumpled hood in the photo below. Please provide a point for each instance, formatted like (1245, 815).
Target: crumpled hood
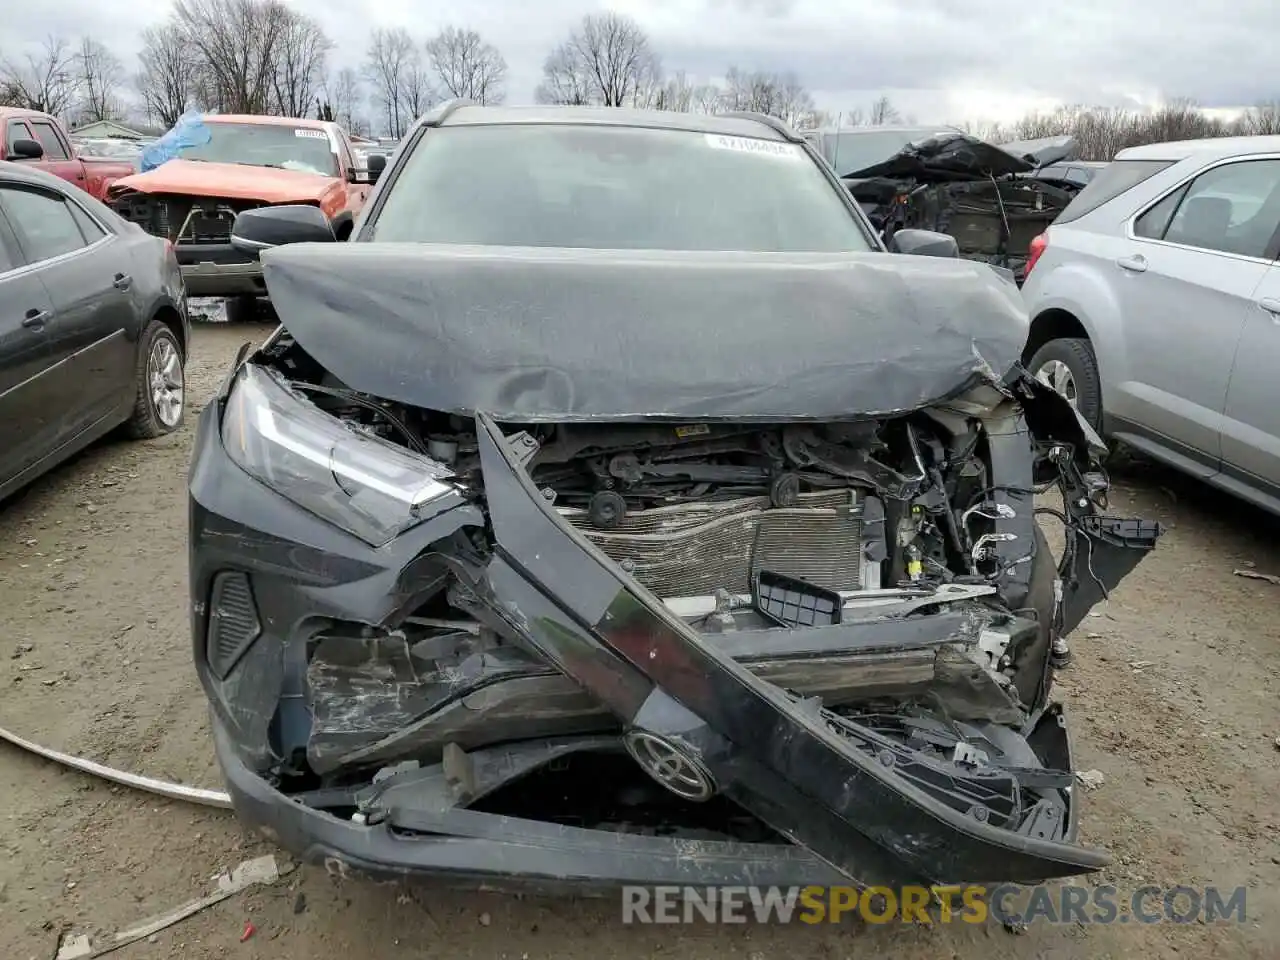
(545, 334)
(241, 181)
(949, 157)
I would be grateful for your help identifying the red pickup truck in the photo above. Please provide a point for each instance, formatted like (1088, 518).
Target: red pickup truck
(37, 139)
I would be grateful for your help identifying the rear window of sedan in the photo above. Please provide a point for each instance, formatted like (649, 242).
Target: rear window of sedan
(1112, 180)
(614, 187)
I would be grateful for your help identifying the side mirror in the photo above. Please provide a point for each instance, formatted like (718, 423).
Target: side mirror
(26, 150)
(923, 243)
(377, 163)
(266, 227)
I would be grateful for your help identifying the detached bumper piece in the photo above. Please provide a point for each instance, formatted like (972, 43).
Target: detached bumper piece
(699, 720)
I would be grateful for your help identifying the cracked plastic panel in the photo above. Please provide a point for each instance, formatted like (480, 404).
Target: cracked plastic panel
(780, 758)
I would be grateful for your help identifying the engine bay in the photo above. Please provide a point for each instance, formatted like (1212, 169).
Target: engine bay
(689, 508)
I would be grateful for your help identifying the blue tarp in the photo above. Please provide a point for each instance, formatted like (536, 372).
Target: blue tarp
(189, 131)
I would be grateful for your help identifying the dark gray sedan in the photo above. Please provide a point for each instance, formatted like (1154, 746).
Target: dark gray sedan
(93, 326)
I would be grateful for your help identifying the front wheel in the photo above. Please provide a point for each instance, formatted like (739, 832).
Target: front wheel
(1069, 366)
(160, 384)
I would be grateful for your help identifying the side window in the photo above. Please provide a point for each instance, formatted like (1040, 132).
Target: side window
(7, 260)
(16, 130)
(44, 223)
(88, 226)
(1234, 208)
(49, 139)
(1113, 180)
(1153, 224)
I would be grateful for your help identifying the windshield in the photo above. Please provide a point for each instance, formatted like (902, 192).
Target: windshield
(856, 150)
(304, 149)
(611, 187)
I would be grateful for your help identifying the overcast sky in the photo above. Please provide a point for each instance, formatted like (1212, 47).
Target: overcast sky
(939, 60)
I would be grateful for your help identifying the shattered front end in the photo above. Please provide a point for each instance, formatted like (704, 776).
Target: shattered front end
(595, 650)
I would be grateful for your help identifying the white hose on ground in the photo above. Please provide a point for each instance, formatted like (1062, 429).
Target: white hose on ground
(174, 791)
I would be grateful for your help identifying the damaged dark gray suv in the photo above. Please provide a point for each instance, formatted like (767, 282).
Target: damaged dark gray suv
(614, 508)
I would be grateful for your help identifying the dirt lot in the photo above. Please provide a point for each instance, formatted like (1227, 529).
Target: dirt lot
(1175, 693)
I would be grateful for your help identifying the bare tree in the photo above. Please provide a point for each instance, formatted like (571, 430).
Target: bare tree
(417, 91)
(44, 79)
(300, 54)
(164, 80)
(99, 75)
(343, 91)
(708, 98)
(1102, 132)
(565, 79)
(466, 66)
(815, 119)
(235, 46)
(1261, 120)
(883, 113)
(682, 96)
(780, 95)
(393, 69)
(850, 118)
(677, 94)
(608, 60)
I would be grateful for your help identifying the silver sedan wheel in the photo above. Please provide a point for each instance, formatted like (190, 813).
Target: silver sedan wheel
(1056, 374)
(164, 375)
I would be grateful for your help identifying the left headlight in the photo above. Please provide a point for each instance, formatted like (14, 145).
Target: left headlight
(360, 483)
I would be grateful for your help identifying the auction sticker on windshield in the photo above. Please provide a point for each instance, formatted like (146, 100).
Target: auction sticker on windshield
(765, 148)
(313, 134)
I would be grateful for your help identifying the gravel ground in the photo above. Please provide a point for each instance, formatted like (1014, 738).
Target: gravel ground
(1175, 694)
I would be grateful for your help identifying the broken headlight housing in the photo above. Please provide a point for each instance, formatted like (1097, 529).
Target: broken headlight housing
(360, 483)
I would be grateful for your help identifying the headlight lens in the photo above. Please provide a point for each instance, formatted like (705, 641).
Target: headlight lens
(360, 483)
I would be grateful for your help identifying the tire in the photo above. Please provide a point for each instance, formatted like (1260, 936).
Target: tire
(160, 378)
(242, 309)
(1070, 367)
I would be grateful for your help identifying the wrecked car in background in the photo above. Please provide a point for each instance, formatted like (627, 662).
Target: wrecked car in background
(555, 539)
(1056, 162)
(198, 176)
(989, 198)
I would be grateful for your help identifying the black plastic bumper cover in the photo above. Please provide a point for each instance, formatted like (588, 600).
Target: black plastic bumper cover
(771, 754)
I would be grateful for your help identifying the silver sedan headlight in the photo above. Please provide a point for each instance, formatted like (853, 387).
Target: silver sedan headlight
(367, 486)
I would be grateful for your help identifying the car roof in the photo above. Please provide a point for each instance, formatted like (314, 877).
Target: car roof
(1209, 147)
(889, 128)
(15, 113)
(24, 173)
(306, 123)
(739, 125)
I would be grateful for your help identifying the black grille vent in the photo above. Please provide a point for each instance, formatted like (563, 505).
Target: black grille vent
(233, 622)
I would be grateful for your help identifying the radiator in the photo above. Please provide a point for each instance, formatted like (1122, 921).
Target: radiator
(692, 549)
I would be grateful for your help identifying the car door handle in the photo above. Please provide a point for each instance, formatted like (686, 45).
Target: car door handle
(1135, 264)
(36, 319)
(1272, 306)
(122, 281)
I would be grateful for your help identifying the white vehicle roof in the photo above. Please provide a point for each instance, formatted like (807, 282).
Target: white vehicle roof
(1209, 148)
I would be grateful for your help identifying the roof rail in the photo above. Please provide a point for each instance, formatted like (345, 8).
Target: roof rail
(442, 113)
(773, 123)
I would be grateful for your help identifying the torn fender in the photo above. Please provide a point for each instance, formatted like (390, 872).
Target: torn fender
(776, 756)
